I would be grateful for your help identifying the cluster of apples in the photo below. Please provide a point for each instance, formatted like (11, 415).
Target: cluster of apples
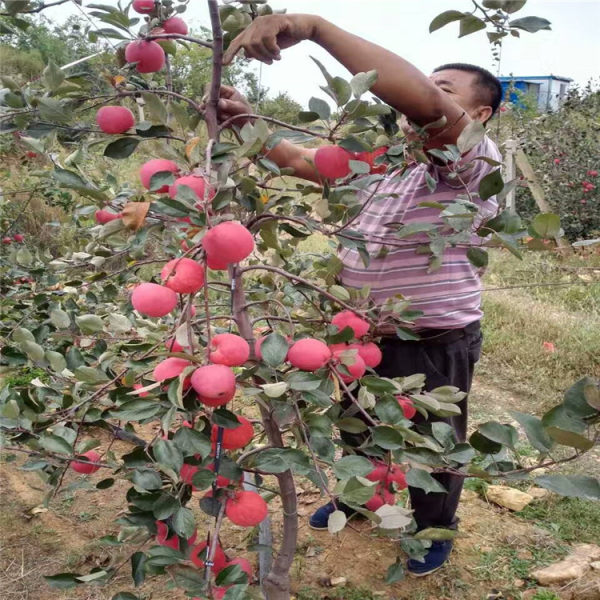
(333, 162)
(388, 478)
(199, 552)
(148, 55)
(18, 237)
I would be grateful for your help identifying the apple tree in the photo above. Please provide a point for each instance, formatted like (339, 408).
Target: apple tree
(189, 320)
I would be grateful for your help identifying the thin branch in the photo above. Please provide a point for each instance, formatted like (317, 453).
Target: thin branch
(178, 36)
(248, 116)
(35, 10)
(212, 122)
(307, 283)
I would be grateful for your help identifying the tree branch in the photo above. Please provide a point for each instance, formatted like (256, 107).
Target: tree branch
(178, 36)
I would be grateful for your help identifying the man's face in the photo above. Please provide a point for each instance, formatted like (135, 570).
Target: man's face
(460, 86)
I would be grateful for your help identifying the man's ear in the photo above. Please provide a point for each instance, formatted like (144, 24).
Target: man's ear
(482, 113)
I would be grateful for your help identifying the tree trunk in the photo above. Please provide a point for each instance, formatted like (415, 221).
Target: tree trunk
(276, 585)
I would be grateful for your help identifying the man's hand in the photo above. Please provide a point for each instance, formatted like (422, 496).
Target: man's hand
(266, 36)
(232, 103)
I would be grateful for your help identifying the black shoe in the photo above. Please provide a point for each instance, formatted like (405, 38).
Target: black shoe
(320, 517)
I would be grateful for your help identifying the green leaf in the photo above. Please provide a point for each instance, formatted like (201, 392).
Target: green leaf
(62, 581)
(189, 441)
(484, 444)
(155, 107)
(168, 454)
(89, 323)
(363, 82)
(536, 434)
(165, 506)
(224, 418)
(320, 107)
(506, 435)
(359, 167)
(491, 185)
(530, 24)
(274, 349)
(583, 398)
(231, 575)
(54, 443)
(470, 136)
(202, 479)
(569, 438)
(105, 483)
(477, 257)
(356, 490)
(351, 425)
(147, 479)
(33, 350)
(52, 76)
(184, 523)
(135, 410)
(470, 24)
(57, 361)
(423, 480)
(59, 318)
(189, 578)
(389, 411)
(350, 466)
(304, 382)
(336, 521)
(509, 6)
(20, 335)
(395, 571)
(387, 438)
(160, 179)
(573, 486)
(436, 534)
(341, 90)
(305, 116)
(278, 460)
(444, 18)
(121, 148)
(546, 225)
(137, 568)
(90, 375)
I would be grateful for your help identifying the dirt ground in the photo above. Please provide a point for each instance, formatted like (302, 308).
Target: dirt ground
(37, 542)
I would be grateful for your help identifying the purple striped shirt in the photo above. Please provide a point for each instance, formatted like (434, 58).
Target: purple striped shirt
(449, 297)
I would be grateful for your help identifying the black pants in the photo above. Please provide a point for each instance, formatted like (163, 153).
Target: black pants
(444, 363)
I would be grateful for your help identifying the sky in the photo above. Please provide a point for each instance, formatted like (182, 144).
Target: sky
(571, 49)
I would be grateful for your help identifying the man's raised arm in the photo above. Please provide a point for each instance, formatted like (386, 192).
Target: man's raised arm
(399, 83)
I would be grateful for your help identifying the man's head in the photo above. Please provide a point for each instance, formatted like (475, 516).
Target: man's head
(471, 87)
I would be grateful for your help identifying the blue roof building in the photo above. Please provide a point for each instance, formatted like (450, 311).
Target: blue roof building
(549, 90)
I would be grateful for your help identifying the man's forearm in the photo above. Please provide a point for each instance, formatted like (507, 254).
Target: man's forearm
(286, 154)
(399, 83)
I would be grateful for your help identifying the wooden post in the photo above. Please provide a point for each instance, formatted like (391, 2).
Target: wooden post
(537, 192)
(510, 148)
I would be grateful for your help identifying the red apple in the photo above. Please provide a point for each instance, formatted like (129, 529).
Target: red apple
(156, 165)
(148, 56)
(333, 161)
(115, 119)
(175, 25)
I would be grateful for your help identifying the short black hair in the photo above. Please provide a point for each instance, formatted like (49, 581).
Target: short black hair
(490, 86)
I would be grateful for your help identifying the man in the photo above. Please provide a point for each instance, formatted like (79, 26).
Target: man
(450, 299)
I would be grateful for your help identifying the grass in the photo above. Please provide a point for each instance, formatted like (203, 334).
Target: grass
(518, 321)
(564, 517)
(341, 593)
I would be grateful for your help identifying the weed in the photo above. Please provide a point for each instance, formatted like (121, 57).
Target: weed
(545, 595)
(342, 593)
(564, 516)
